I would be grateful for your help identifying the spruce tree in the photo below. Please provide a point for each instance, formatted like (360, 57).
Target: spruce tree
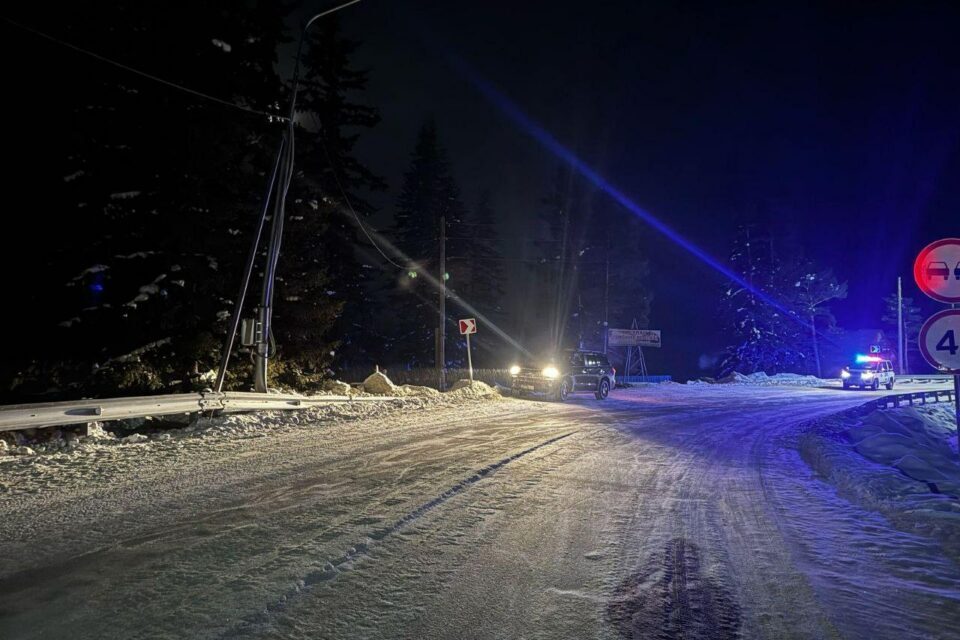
(324, 291)
(429, 194)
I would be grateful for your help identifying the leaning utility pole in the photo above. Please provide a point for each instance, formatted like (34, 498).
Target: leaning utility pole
(442, 332)
(900, 326)
(257, 332)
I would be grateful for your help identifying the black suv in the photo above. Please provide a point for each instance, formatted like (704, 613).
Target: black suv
(573, 370)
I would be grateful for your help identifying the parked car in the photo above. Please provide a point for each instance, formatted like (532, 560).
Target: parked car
(940, 269)
(869, 373)
(573, 371)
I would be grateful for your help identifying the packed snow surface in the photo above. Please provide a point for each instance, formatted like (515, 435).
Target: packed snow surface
(674, 511)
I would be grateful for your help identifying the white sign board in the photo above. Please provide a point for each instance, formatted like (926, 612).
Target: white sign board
(940, 340)
(468, 326)
(937, 270)
(633, 338)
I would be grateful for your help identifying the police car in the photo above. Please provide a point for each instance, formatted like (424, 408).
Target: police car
(869, 372)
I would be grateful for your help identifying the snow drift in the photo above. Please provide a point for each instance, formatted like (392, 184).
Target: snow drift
(762, 379)
(901, 462)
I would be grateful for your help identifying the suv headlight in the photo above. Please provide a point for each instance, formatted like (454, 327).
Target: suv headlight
(515, 370)
(550, 372)
(866, 375)
(844, 374)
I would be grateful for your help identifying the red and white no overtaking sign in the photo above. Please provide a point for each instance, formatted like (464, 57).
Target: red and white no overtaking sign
(937, 270)
(940, 340)
(468, 326)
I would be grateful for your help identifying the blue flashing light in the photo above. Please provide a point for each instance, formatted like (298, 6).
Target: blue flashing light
(861, 359)
(96, 287)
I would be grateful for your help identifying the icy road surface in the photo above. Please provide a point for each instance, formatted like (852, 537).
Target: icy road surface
(664, 512)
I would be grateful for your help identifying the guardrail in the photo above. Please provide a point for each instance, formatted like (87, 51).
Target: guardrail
(924, 377)
(910, 399)
(52, 414)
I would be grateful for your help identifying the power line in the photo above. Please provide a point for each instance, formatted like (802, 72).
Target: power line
(144, 74)
(346, 198)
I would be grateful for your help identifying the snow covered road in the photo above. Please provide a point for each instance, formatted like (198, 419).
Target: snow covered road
(669, 511)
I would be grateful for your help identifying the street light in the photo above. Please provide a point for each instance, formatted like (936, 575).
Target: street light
(261, 332)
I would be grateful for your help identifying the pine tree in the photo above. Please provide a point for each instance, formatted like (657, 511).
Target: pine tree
(324, 290)
(429, 195)
(477, 271)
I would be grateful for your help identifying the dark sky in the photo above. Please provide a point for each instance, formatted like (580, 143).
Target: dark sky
(839, 120)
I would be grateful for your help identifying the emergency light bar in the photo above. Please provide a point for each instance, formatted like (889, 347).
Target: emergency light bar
(862, 358)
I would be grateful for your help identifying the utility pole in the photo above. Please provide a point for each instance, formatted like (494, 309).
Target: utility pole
(579, 320)
(606, 296)
(900, 325)
(262, 335)
(442, 332)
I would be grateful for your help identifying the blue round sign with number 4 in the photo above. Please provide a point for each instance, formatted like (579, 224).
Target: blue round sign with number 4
(940, 340)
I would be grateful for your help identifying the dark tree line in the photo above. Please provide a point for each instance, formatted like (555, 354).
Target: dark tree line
(141, 200)
(473, 273)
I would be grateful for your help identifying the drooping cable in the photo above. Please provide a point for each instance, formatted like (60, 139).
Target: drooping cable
(138, 72)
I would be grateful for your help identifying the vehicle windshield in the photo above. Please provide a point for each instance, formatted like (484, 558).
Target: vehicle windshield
(865, 366)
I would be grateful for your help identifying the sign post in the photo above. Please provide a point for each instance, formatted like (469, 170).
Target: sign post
(937, 273)
(468, 326)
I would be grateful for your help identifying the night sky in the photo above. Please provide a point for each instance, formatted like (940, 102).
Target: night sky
(836, 122)
(839, 122)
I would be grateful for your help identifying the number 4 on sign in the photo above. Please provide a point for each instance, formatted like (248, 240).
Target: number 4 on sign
(948, 343)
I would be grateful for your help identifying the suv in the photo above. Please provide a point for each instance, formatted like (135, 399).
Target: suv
(872, 373)
(574, 370)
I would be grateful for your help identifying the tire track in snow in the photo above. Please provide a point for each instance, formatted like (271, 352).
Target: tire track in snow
(670, 598)
(333, 568)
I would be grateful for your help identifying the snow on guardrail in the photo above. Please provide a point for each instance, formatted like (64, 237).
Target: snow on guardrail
(51, 414)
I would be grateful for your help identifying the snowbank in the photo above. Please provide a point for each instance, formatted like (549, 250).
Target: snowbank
(476, 389)
(413, 391)
(177, 431)
(762, 379)
(902, 462)
(338, 388)
(920, 443)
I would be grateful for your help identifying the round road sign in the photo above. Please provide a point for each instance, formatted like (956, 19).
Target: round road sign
(940, 340)
(937, 270)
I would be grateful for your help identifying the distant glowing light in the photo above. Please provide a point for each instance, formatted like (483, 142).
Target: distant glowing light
(844, 374)
(96, 287)
(412, 274)
(514, 370)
